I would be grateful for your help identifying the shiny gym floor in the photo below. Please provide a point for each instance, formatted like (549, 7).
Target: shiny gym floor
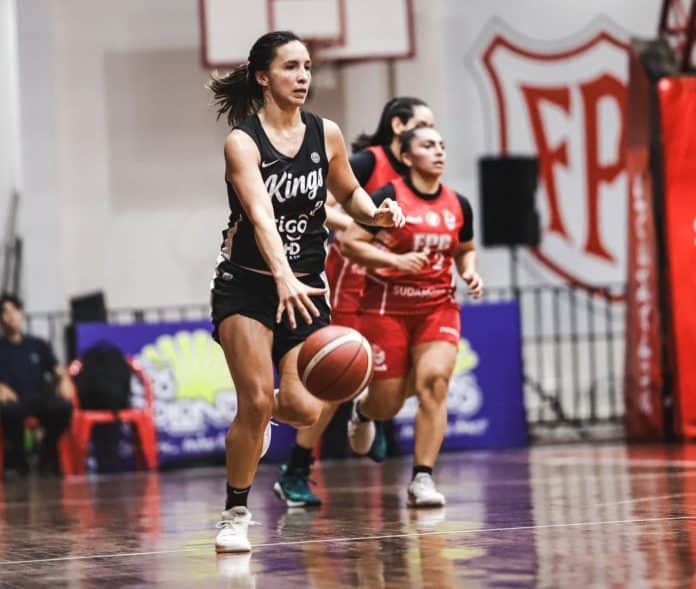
(562, 516)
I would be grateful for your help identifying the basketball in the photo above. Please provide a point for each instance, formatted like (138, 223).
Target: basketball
(335, 363)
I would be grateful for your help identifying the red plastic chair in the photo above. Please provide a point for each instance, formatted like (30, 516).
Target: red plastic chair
(65, 451)
(142, 420)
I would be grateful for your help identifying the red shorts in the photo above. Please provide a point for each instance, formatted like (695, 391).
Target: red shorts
(345, 319)
(393, 336)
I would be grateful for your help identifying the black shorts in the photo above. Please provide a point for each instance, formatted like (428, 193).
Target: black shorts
(238, 291)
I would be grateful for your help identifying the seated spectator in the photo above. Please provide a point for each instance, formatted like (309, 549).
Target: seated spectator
(32, 384)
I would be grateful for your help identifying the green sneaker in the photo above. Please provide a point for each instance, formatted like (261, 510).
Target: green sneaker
(378, 450)
(293, 488)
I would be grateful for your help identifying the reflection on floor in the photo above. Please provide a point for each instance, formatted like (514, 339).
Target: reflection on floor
(571, 516)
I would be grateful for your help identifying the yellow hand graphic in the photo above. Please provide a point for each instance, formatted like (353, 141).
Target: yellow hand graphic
(196, 361)
(467, 359)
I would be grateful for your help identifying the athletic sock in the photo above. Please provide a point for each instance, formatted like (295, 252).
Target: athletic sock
(236, 497)
(300, 458)
(418, 468)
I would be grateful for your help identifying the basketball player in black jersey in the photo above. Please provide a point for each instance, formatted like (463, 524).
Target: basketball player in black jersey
(268, 294)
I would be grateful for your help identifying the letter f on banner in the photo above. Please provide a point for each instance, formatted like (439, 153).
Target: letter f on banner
(548, 156)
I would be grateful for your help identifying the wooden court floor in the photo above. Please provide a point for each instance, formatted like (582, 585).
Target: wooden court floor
(561, 516)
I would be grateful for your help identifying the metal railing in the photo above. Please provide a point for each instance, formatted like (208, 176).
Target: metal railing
(572, 347)
(572, 352)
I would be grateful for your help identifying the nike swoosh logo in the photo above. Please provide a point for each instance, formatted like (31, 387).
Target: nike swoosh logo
(266, 164)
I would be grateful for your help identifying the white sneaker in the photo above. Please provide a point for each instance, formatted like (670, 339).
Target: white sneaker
(361, 433)
(233, 526)
(422, 492)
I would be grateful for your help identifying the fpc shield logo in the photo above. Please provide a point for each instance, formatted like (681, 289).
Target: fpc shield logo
(565, 101)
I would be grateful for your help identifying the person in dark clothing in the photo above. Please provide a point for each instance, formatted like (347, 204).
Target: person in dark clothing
(32, 384)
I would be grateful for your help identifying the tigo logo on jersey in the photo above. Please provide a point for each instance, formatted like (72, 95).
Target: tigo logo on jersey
(292, 228)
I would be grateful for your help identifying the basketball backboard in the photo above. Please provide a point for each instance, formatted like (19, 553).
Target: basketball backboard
(230, 27)
(316, 21)
(375, 29)
(340, 30)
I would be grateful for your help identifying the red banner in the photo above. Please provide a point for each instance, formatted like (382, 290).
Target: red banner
(643, 372)
(678, 117)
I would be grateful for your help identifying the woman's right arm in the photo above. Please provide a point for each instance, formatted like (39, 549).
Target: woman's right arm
(242, 170)
(357, 244)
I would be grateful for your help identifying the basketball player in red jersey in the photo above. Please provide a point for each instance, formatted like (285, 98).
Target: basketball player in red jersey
(375, 162)
(410, 315)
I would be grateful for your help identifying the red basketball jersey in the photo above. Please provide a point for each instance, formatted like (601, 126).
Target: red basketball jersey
(346, 278)
(432, 226)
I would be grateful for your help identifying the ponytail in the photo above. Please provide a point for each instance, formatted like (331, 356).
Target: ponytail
(402, 107)
(235, 94)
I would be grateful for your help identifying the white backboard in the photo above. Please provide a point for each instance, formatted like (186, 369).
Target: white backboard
(375, 29)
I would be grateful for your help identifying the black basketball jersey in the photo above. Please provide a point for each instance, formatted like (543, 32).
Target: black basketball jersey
(297, 187)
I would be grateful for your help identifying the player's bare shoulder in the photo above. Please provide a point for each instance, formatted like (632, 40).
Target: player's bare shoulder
(240, 149)
(333, 138)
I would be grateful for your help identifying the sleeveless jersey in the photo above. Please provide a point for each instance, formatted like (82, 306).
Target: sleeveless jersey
(297, 187)
(346, 278)
(432, 226)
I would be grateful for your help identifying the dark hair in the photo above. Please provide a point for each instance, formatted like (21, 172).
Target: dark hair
(6, 297)
(238, 94)
(402, 107)
(407, 138)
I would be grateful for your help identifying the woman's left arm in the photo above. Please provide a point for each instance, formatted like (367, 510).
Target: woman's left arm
(336, 219)
(465, 259)
(345, 187)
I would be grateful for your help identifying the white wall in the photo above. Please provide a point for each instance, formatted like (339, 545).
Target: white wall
(139, 155)
(123, 168)
(9, 115)
(124, 180)
(40, 208)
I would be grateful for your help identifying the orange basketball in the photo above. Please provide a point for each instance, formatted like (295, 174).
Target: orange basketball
(335, 363)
